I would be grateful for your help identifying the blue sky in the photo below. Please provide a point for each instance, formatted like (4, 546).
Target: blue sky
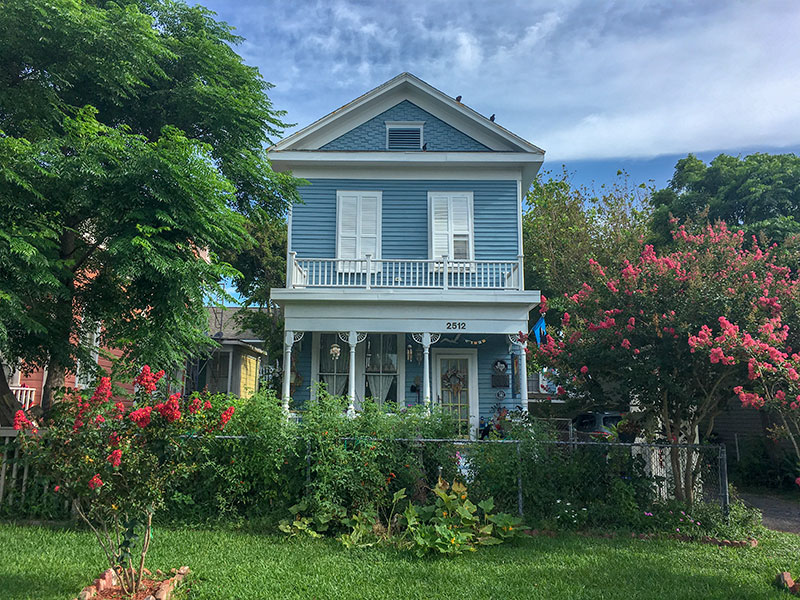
(599, 84)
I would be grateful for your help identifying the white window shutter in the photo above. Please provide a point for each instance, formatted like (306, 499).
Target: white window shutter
(347, 226)
(370, 225)
(459, 214)
(440, 226)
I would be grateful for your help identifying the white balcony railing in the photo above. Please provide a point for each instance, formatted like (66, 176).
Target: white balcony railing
(24, 395)
(372, 273)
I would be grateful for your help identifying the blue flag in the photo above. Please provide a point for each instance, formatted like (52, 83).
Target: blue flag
(539, 331)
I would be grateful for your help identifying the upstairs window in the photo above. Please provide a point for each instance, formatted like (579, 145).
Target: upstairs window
(451, 230)
(404, 135)
(358, 225)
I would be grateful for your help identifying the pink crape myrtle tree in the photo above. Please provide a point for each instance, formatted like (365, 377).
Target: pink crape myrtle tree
(629, 335)
(765, 347)
(115, 461)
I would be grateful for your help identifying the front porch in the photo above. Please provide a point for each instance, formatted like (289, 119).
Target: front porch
(468, 375)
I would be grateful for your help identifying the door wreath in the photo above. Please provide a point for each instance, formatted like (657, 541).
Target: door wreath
(454, 380)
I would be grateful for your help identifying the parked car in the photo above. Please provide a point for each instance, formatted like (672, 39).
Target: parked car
(597, 423)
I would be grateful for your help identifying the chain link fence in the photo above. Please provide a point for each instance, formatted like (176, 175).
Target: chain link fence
(534, 477)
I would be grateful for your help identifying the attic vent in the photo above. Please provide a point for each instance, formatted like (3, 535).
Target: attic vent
(403, 136)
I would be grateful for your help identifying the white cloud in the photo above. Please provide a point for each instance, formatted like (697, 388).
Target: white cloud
(581, 78)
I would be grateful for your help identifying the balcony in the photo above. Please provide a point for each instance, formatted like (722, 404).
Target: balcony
(24, 395)
(438, 274)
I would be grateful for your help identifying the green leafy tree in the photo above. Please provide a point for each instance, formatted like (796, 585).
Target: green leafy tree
(126, 160)
(759, 194)
(563, 226)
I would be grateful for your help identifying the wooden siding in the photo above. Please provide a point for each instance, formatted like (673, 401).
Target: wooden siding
(405, 216)
(437, 135)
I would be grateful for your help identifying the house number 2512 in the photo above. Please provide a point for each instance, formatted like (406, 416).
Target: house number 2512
(456, 325)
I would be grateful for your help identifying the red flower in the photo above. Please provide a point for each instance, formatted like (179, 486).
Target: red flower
(170, 409)
(206, 405)
(584, 370)
(195, 405)
(102, 392)
(99, 419)
(21, 421)
(95, 482)
(57, 488)
(113, 439)
(226, 416)
(148, 380)
(141, 416)
(115, 458)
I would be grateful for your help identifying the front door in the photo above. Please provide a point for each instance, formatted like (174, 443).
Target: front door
(455, 387)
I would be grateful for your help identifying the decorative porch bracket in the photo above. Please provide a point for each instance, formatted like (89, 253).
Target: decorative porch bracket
(523, 366)
(426, 339)
(290, 338)
(353, 338)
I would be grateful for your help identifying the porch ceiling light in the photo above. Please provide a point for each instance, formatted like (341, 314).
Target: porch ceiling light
(409, 353)
(335, 351)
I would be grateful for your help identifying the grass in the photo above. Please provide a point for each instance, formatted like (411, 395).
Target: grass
(53, 564)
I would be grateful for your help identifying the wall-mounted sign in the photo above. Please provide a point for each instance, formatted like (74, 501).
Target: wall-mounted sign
(500, 374)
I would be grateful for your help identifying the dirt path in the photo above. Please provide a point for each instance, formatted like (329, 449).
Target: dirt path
(779, 514)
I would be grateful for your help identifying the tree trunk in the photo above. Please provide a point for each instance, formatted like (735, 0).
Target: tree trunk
(56, 372)
(9, 404)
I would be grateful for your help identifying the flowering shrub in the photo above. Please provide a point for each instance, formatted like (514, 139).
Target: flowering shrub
(669, 329)
(116, 462)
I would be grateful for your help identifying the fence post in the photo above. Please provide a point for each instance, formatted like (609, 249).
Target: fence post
(520, 506)
(723, 480)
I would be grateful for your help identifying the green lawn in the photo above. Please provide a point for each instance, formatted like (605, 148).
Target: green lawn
(43, 564)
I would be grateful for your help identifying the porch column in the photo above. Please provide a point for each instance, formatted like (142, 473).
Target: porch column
(523, 365)
(523, 374)
(352, 338)
(426, 339)
(289, 340)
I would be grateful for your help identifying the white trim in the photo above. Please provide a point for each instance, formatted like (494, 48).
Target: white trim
(471, 354)
(405, 172)
(360, 195)
(471, 217)
(520, 250)
(424, 95)
(286, 159)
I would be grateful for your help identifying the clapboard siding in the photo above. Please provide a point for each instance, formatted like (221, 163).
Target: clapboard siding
(405, 216)
(437, 135)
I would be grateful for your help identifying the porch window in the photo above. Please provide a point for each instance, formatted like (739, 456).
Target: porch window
(358, 227)
(380, 367)
(451, 225)
(333, 366)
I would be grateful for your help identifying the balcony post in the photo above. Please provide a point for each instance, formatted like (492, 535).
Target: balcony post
(369, 270)
(290, 270)
(523, 374)
(445, 271)
(520, 273)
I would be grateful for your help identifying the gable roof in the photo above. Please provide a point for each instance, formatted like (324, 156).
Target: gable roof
(405, 87)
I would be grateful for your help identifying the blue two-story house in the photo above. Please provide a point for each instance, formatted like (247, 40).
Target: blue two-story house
(404, 278)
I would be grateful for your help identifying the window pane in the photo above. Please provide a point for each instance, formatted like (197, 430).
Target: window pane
(461, 247)
(389, 364)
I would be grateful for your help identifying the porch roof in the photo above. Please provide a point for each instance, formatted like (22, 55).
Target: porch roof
(406, 311)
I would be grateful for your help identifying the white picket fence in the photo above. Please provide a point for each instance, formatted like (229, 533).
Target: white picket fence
(24, 395)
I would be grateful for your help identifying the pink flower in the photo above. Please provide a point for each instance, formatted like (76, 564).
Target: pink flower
(95, 482)
(584, 370)
(57, 489)
(141, 416)
(797, 481)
